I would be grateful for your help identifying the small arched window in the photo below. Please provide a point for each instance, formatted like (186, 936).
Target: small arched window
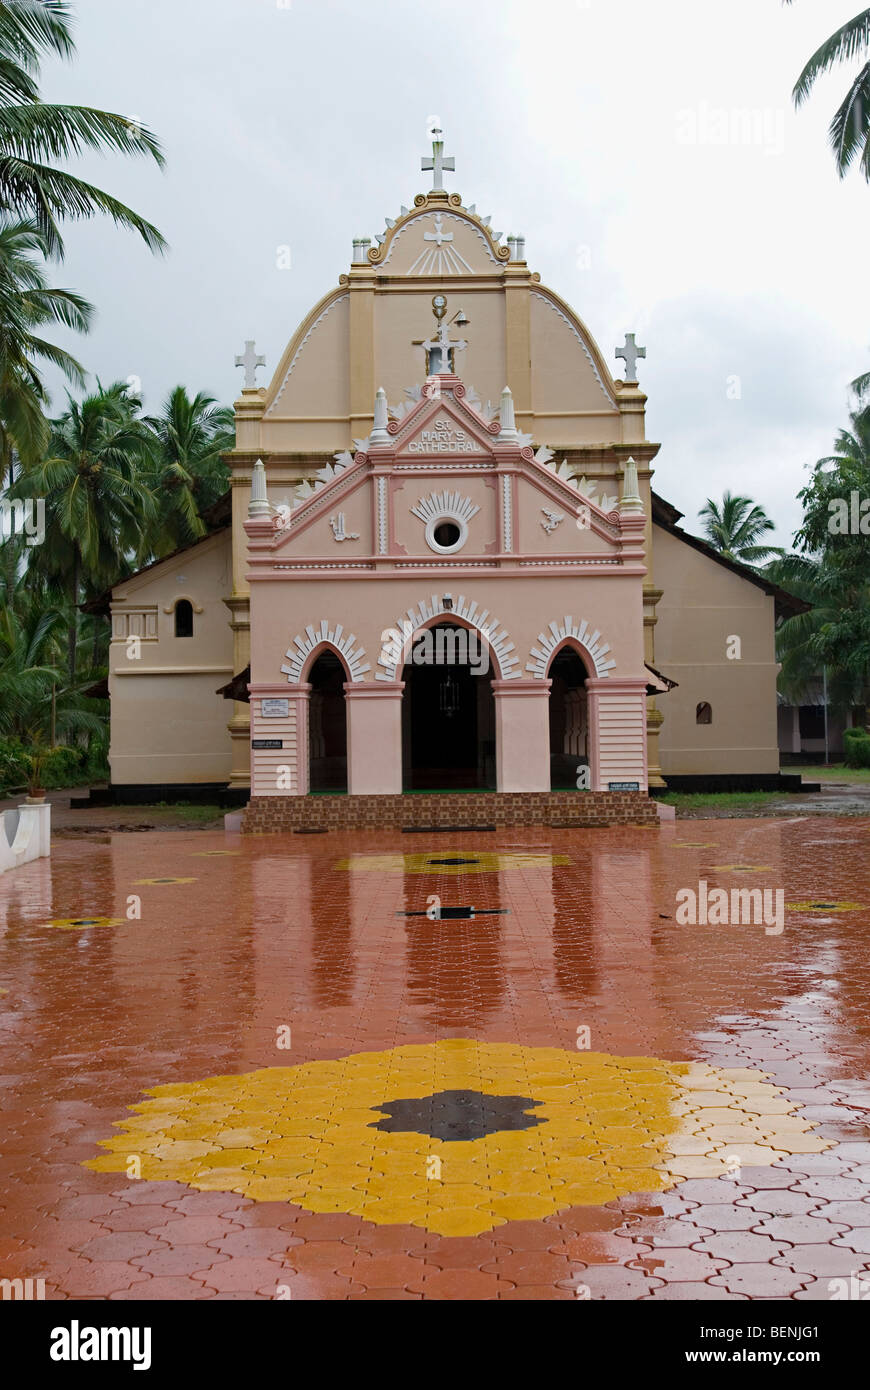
(184, 618)
(703, 713)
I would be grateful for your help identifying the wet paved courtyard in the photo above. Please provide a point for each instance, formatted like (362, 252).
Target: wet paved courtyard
(298, 1066)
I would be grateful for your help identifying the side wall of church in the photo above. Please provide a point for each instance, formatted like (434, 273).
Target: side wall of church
(703, 607)
(168, 724)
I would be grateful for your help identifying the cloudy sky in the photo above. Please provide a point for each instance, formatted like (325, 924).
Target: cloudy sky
(649, 152)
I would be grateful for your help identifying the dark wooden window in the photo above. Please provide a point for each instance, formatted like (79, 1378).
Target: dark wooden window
(703, 713)
(184, 618)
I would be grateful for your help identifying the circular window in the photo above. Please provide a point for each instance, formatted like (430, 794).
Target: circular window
(445, 534)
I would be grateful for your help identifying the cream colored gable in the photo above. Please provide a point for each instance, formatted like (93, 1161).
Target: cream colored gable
(568, 373)
(440, 242)
(313, 377)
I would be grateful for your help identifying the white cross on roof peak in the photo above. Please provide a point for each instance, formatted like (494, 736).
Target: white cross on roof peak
(438, 163)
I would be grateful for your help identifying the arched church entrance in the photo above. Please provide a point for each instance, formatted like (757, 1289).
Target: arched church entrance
(569, 721)
(327, 725)
(448, 712)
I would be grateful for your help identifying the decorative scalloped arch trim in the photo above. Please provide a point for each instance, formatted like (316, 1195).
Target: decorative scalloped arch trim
(447, 216)
(545, 298)
(559, 632)
(340, 299)
(177, 598)
(497, 637)
(324, 635)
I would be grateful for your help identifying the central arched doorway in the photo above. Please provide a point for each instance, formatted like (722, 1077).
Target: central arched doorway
(327, 726)
(448, 712)
(569, 720)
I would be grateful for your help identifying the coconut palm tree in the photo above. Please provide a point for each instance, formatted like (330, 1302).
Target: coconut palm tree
(26, 304)
(34, 134)
(98, 505)
(185, 470)
(805, 642)
(834, 478)
(736, 528)
(850, 128)
(831, 572)
(26, 629)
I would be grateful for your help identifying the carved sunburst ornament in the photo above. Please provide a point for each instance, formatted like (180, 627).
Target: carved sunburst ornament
(445, 508)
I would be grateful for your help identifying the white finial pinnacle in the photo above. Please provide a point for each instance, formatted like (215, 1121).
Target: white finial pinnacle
(631, 500)
(508, 423)
(379, 434)
(258, 507)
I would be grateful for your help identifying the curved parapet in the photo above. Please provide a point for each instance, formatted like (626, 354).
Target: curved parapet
(25, 835)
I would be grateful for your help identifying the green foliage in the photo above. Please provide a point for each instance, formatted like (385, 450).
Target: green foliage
(62, 766)
(737, 528)
(36, 199)
(833, 567)
(26, 304)
(22, 765)
(35, 134)
(856, 747)
(849, 131)
(14, 763)
(184, 469)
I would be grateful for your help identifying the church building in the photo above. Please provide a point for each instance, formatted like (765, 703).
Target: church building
(442, 572)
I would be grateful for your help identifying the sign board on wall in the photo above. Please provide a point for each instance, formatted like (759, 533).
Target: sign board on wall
(267, 743)
(275, 709)
(623, 786)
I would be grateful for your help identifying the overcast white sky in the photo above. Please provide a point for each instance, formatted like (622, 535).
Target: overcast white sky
(593, 128)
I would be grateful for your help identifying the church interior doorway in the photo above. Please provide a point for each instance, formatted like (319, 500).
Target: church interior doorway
(569, 722)
(327, 726)
(448, 713)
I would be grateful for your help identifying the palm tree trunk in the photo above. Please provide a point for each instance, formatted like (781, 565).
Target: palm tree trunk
(73, 631)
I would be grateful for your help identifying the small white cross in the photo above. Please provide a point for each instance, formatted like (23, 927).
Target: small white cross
(629, 354)
(250, 361)
(438, 163)
(438, 235)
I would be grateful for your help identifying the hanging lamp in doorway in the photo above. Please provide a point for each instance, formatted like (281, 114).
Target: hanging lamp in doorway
(448, 696)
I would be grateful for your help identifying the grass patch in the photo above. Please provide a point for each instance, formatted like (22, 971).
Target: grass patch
(833, 772)
(688, 801)
(187, 811)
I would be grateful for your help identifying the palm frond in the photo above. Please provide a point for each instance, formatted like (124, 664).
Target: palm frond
(844, 44)
(850, 128)
(50, 196)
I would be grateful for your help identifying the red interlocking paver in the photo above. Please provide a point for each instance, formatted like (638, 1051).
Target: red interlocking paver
(312, 939)
(760, 1280)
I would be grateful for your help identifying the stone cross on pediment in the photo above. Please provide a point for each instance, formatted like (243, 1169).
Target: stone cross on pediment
(438, 163)
(250, 360)
(629, 354)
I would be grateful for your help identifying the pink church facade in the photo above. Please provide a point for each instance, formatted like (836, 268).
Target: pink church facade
(458, 528)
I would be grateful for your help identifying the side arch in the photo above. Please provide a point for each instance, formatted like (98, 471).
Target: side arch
(305, 650)
(586, 641)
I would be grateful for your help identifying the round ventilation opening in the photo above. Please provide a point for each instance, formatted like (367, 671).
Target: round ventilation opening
(446, 534)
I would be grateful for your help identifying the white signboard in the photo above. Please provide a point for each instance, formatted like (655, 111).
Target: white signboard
(275, 709)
